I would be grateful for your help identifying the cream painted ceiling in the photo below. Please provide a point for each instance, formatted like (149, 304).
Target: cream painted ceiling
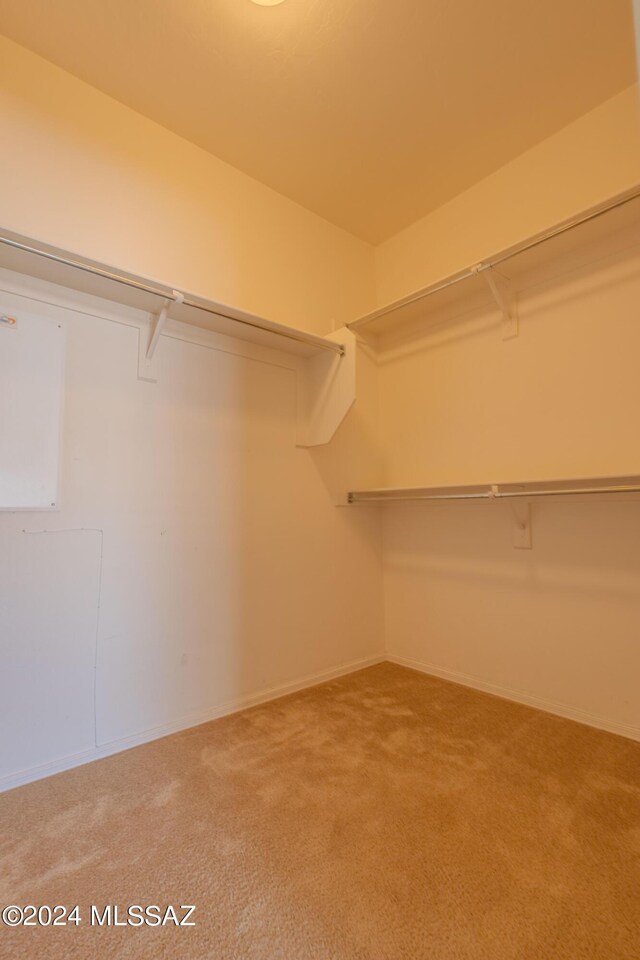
(369, 112)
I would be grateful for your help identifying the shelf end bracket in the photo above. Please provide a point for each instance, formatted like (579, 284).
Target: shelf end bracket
(521, 525)
(147, 351)
(504, 296)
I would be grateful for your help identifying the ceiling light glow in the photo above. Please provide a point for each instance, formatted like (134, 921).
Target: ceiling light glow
(267, 3)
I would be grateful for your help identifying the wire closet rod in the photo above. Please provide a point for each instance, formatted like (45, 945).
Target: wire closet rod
(500, 258)
(491, 492)
(167, 294)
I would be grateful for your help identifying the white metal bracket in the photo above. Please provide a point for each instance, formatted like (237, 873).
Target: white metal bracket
(504, 296)
(146, 351)
(522, 525)
(521, 513)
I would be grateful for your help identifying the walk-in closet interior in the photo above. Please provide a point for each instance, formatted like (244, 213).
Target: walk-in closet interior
(319, 480)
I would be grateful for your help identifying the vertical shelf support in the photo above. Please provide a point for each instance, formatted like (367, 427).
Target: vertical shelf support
(522, 525)
(145, 353)
(326, 391)
(521, 513)
(504, 296)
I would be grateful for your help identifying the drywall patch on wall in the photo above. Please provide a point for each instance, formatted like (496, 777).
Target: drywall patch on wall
(49, 600)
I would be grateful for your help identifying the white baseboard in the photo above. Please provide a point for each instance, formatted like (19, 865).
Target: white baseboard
(22, 777)
(40, 771)
(517, 696)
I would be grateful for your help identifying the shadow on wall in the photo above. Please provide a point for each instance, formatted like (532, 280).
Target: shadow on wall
(584, 547)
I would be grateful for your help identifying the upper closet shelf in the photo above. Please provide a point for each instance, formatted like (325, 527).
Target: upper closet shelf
(610, 227)
(325, 366)
(87, 276)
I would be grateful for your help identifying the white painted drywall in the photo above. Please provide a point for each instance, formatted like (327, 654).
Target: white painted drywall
(31, 389)
(197, 558)
(557, 626)
(587, 162)
(84, 173)
(49, 596)
(636, 10)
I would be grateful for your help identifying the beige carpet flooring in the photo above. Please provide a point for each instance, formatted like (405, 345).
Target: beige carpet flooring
(383, 816)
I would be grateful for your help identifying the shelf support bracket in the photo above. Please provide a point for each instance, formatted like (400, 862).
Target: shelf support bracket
(326, 391)
(504, 296)
(521, 513)
(146, 352)
(521, 525)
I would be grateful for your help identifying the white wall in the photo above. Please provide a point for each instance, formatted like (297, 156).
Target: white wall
(557, 626)
(197, 560)
(636, 8)
(81, 171)
(585, 163)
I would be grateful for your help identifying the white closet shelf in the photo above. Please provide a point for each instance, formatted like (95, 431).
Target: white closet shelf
(44, 262)
(579, 486)
(324, 366)
(608, 227)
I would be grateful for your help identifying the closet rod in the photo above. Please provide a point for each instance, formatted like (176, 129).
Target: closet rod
(168, 294)
(492, 492)
(500, 258)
